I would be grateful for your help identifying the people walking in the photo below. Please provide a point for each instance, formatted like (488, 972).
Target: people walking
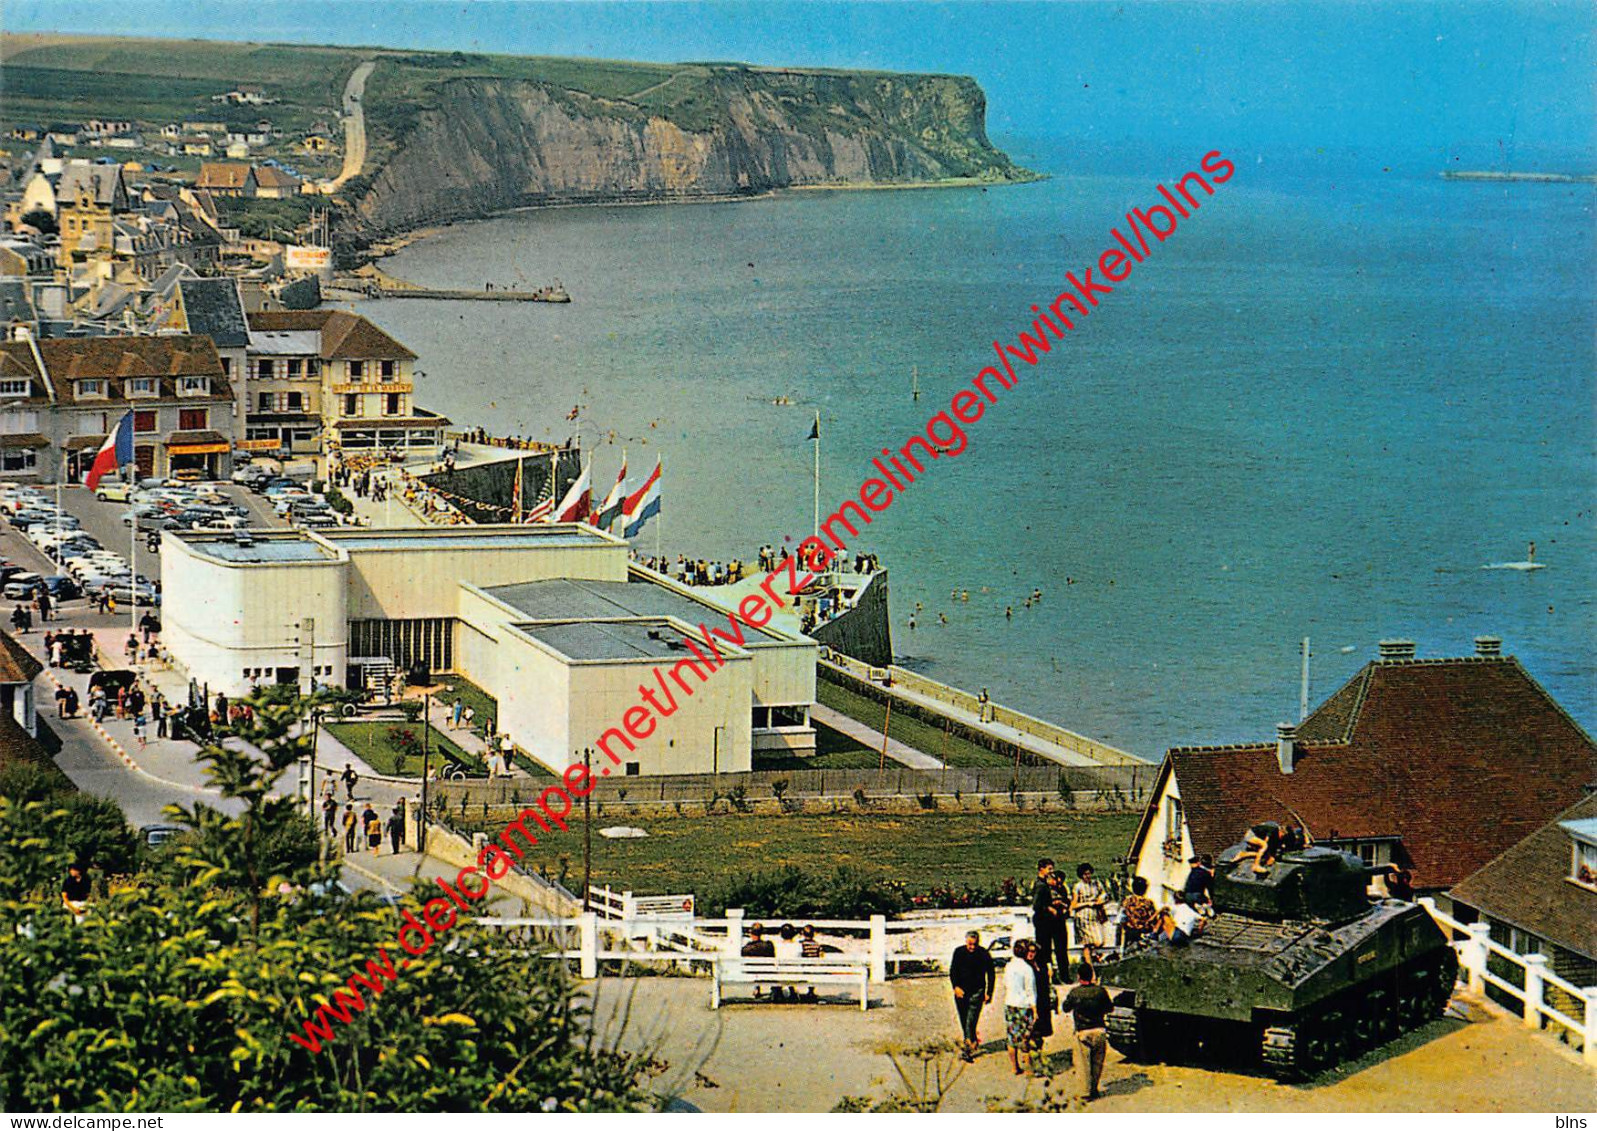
(374, 829)
(349, 778)
(1089, 1005)
(971, 972)
(351, 828)
(1020, 1005)
(396, 828)
(329, 813)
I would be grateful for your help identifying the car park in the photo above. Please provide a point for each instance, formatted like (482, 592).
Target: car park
(62, 588)
(22, 587)
(316, 520)
(122, 591)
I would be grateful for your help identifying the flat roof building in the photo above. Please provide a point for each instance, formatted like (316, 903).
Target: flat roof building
(553, 621)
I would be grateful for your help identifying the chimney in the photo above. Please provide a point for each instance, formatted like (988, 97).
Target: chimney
(1394, 650)
(1286, 746)
(1489, 646)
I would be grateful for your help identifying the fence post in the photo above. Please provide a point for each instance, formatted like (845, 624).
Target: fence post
(629, 906)
(1589, 1037)
(589, 962)
(734, 930)
(1535, 980)
(1474, 955)
(878, 948)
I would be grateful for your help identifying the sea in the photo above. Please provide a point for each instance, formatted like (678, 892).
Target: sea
(1337, 397)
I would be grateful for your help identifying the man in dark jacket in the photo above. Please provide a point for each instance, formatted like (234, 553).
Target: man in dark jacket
(971, 972)
(1045, 918)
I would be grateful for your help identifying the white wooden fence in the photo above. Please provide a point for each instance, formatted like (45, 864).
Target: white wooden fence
(623, 905)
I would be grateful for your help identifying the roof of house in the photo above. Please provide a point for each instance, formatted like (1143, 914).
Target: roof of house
(222, 175)
(166, 357)
(215, 310)
(1461, 758)
(1528, 887)
(16, 301)
(101, 181)
(269, 176)
(18, 747)
(344, 335)
(17, 664)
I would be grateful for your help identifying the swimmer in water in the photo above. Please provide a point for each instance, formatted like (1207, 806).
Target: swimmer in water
(912, 624)
(1530, 554)
(1009, 612)
(942, 619)
(964, 594)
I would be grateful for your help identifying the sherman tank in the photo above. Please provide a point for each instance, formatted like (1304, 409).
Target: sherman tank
(1298, 963)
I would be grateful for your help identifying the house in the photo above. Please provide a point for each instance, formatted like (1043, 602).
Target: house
(238, 150)
(272, 183)
(213, 308)
(1437, 765)
(16, 304)
(316, 143)
(1540, 895)
(196, 147)
(365, 388)
(103, 183)
(65, 395)
(223, 178)
(18, 669)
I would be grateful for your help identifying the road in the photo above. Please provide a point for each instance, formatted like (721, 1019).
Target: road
(354, 125)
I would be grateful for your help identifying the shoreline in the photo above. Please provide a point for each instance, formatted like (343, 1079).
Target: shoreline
(387, 246)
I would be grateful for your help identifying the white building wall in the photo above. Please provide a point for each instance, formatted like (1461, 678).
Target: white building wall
(1165, 876)
(685, 743)
(533, 688)
(222, 619)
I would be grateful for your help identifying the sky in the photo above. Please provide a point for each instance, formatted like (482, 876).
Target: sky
(1474, 75)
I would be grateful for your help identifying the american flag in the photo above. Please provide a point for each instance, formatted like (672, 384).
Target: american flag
(545, 506)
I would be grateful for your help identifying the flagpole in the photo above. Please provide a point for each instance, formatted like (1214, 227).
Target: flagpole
(133, 563)
(817, 473)
(659, 519)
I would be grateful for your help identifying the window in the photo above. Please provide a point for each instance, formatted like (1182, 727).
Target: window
(18, 459)
(143, 387)
(391, 404)
(357, 370)
(227, 367)
(313, 367)
(633, 769)
(94, 387)
(144, 420)
(194, 385)
(12, 423)
(267, 401)
(387, 369)
(92, 424)
(193, 419)
(762, 718)
(263, 368)
(351, 404)
(1584, 869)
(295, 401)
(15, 388)
(294, 367)
(1172, 828)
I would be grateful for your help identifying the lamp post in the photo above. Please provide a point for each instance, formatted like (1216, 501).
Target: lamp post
(587, 825)
(426, 763)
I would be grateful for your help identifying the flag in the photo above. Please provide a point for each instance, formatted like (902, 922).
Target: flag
(643, 504)
(545, 506)
(815, 429)
(610, 509)
(515, 496)
(579, 498)
(117, 451)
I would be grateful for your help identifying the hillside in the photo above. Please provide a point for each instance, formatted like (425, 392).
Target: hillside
(455, 136)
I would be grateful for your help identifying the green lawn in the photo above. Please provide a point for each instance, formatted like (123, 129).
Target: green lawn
(375, 745)
(977, 848)
(485, 707)
(932, 740)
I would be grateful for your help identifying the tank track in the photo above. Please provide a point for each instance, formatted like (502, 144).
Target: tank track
(1344, 1026)
(1125, 1034)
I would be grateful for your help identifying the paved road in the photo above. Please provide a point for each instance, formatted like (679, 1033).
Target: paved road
(872, 739)
(354, 124)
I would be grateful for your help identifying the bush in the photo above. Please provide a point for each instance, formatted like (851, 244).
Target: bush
(847, 893)
(411, 709)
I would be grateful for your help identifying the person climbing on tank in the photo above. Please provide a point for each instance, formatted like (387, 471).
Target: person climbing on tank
(1267, 840)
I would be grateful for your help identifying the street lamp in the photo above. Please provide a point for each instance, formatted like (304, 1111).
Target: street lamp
(426, 763)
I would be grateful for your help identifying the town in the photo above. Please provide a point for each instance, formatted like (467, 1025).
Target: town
(291, 652)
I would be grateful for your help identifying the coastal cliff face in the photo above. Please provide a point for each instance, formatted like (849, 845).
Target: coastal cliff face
(484, 145)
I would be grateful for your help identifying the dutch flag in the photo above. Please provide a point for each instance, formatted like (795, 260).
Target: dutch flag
(643, 504)
(117, 451)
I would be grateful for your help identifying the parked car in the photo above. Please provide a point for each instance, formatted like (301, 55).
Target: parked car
(123, 592)
(22, 587)
(156, 521)
(316, 520)
(153, 835)
(62, 588)
(10, 570)
(113, 491)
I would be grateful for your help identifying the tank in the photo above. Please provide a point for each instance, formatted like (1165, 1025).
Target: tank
(1298, 963)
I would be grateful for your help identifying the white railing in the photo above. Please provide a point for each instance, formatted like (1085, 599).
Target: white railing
(1476, 948)
(611, 904)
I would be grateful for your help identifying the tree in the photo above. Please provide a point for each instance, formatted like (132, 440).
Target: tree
(41, 221)
(181, 991)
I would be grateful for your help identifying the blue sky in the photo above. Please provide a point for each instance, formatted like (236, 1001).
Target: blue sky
(1514, 77)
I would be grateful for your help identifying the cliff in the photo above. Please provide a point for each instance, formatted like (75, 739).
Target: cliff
(472, 146)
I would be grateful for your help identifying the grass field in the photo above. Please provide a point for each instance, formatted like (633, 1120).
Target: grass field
(373, 744)
(912, 732)
(701, 854)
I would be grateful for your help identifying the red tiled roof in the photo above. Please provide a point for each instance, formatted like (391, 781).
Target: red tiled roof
(1461, 758)
(1527, 887)
(221, 175)
(165, 358)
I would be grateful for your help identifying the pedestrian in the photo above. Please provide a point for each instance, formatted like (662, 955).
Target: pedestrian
(72, 703)
(149, 626)
(350, 777)
(1042, 1025)
(46, 605)
(455, 711)
(1020, 1005)
(138, 729)
(374, 829)
(161, 709)
(57, 649)
(329, 813)
(1044, 911)
(61, 701)
(1089, 1005)
(351, 827)
(1138, 916)
(972, 974)
(396, 828)
(1087, 901)
(17, 616)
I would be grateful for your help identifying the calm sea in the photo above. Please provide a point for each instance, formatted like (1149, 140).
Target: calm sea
(1319, 410)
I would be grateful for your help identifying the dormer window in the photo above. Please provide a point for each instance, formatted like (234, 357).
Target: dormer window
(1583, 853)
(357, 370)
(194, 386)
(91, 387)
(15, 387)
(143, 387)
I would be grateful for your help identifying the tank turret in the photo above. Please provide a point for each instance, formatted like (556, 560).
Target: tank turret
(1310, 883)
(1299, 963)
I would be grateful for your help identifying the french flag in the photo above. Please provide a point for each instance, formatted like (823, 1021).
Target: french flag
(117, 451)
(643, 504)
